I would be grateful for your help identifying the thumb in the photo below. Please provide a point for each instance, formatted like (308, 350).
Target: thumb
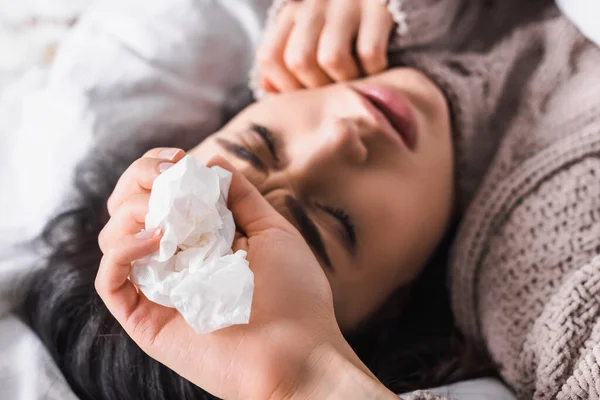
(251, 212)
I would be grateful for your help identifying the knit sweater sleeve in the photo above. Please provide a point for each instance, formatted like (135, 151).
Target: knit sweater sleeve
(525, 273)
(538, 289)
(431, 23)
(425, 395)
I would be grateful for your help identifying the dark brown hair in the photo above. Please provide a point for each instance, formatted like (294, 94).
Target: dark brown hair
(419, 348)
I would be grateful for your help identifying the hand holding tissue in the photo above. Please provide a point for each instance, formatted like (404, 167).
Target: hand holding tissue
(195, 270)
(188, 264)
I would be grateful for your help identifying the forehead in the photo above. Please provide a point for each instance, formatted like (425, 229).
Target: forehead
(291, 106)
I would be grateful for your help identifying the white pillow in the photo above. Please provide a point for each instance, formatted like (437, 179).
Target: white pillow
(585, 14)
(127, 64)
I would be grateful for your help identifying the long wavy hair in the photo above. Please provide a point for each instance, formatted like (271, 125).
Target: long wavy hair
(416, 348)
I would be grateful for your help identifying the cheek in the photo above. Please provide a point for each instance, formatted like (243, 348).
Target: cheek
(397, 236)
(355, 302)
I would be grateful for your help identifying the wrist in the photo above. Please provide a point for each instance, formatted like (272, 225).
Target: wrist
(337, 373)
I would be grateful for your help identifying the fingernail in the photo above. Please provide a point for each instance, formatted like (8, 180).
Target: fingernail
(264, 83)
(162, 167)
(168, 154)
(144, 234)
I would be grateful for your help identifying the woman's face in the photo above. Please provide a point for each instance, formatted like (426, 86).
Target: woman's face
(363, 169)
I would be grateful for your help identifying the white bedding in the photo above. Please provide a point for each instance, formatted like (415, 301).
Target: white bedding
(585, 14)
(125, 63)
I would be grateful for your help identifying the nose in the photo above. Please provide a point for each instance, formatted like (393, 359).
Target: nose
(339, 139)
(322, 157)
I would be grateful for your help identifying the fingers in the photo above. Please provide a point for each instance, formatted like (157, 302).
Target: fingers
(315, 42)
(240, 242)
(267, 85)
(128, 219)
(335, 51)
(301, 50)
(112, 283)
(270, 53)
(251, 211)
(373, 37)
(140, 175)
(165, 153)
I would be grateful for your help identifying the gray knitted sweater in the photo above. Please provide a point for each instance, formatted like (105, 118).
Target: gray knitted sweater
(524, 89)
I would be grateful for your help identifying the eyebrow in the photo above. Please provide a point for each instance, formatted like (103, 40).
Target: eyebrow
(242, 153)
(309, 230)
(268, 137)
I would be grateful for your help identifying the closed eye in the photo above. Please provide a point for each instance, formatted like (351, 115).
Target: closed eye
(267, 136)
(243, 153)
(308, 229)
(347, 224)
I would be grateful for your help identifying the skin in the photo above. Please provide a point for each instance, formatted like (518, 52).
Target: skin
(332, 154)
(316, 42)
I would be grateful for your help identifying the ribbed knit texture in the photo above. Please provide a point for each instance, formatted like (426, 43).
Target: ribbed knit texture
(524, 272)
(424, 395)
(523, 86)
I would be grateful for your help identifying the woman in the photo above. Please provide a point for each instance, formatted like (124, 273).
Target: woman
(510, 93)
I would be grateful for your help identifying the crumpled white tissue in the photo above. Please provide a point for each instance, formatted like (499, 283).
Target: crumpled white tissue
(195, 270)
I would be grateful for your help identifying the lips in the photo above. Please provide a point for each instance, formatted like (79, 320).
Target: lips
(396, 109)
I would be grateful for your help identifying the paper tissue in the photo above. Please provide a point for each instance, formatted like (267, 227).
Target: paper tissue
(195, 270)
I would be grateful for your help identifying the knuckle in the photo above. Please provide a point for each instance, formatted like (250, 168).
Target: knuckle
(143, 171)
(144, 329)
(110, 205)
(288, 8)
(150, 152)
(99, 284)
(115, 257)
(102, 240)
(371, 51)
(137, 208)
(331, 58)
(296, 60)
(266, 56)
(260, 54)
(128, 207)
(138, 165)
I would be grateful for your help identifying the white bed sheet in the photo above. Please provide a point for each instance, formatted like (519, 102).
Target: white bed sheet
(585, 14)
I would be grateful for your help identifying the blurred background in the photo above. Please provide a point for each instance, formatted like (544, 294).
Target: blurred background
(30, 32)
